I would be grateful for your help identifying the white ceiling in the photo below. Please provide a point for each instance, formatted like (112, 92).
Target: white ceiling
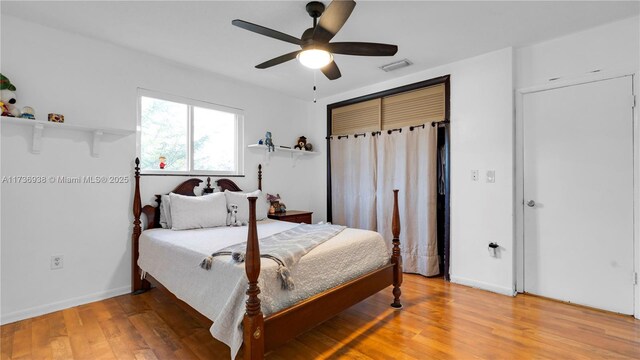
(429, 33)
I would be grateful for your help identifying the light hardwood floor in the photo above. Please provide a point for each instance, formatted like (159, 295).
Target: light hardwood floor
(439, 320)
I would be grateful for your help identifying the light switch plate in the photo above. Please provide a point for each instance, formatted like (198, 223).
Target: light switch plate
(474, 175)
(491, 176)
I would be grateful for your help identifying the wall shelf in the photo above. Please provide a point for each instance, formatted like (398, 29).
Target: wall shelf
(40, 125)
(295, 153)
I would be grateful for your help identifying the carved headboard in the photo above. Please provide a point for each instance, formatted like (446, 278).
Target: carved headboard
(227, 184)
(187, 188)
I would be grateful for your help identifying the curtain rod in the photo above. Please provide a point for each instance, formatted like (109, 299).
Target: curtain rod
(374, 133)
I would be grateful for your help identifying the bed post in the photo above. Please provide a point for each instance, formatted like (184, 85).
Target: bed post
(138, 285)
(259, 176)
(253, 322)
(396, 258)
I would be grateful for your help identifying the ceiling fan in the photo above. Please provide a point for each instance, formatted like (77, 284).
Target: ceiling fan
(316, 50)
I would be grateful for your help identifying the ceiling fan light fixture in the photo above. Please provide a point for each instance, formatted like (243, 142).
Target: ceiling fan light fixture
(315, 58)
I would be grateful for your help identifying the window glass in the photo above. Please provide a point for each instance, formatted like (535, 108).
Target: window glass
(164, 127)
(214, 140)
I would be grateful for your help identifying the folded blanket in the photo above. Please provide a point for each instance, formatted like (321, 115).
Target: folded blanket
(285, 248)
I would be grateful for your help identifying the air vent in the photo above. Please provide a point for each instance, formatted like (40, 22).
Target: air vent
(396, 65)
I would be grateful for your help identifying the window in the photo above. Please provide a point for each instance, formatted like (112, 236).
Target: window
(183, 136)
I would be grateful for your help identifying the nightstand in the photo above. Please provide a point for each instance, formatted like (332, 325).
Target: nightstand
(294, 216)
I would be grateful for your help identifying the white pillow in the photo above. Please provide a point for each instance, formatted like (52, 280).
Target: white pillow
(165, 212)
(196, 212)
(240, 199)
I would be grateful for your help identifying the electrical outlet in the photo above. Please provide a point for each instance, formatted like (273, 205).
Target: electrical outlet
(57, 262)
(474, 175)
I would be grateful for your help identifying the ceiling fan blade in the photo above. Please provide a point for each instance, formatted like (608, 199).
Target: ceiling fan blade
(362, 49)
(331, 71)
(279, 60)
(332, 20)
(266, 31)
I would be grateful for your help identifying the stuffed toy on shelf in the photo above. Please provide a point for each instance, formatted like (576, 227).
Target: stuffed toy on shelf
(302, 142)
(8, 97)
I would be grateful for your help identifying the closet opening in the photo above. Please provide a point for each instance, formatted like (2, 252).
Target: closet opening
(410, 122)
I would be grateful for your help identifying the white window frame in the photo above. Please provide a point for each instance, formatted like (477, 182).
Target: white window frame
(239, 133)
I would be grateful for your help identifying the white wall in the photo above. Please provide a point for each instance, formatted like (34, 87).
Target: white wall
(95, 83)
(614, 49)
(481, 138)
(609, 48)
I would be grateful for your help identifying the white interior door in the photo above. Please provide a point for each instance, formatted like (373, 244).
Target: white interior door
(578, 194)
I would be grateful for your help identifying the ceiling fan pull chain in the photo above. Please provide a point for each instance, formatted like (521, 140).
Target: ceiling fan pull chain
(315, 92)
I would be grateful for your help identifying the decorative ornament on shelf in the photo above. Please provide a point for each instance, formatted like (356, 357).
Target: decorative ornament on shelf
(260, 142)
(301, 143)
(308, 147)
(269, 142)
(8, 98)
(163, 162)
(58, 118)
(28, 113)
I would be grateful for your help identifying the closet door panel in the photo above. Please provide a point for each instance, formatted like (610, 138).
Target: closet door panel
(414, 107)
(356, 118)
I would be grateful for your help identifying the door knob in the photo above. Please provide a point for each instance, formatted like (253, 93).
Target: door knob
(531, 203)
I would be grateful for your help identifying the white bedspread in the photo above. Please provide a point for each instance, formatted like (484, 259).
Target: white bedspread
(173, 258)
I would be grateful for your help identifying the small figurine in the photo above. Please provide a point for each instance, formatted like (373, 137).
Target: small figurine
(163, 162)
(276, 204)
(56, 118)
(308, 147)
(29, 113)
(282, 208)
(269, 142)
(302, 141)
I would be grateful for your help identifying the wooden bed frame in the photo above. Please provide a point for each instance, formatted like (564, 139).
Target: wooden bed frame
(262, 333)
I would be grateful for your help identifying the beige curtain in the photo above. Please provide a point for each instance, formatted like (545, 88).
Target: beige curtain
(353, 181)
(407, 161)
(364, 172)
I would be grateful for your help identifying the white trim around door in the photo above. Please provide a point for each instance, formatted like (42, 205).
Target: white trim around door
(519, 172)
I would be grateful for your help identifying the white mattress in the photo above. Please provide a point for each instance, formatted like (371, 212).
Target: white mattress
(173, 258)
